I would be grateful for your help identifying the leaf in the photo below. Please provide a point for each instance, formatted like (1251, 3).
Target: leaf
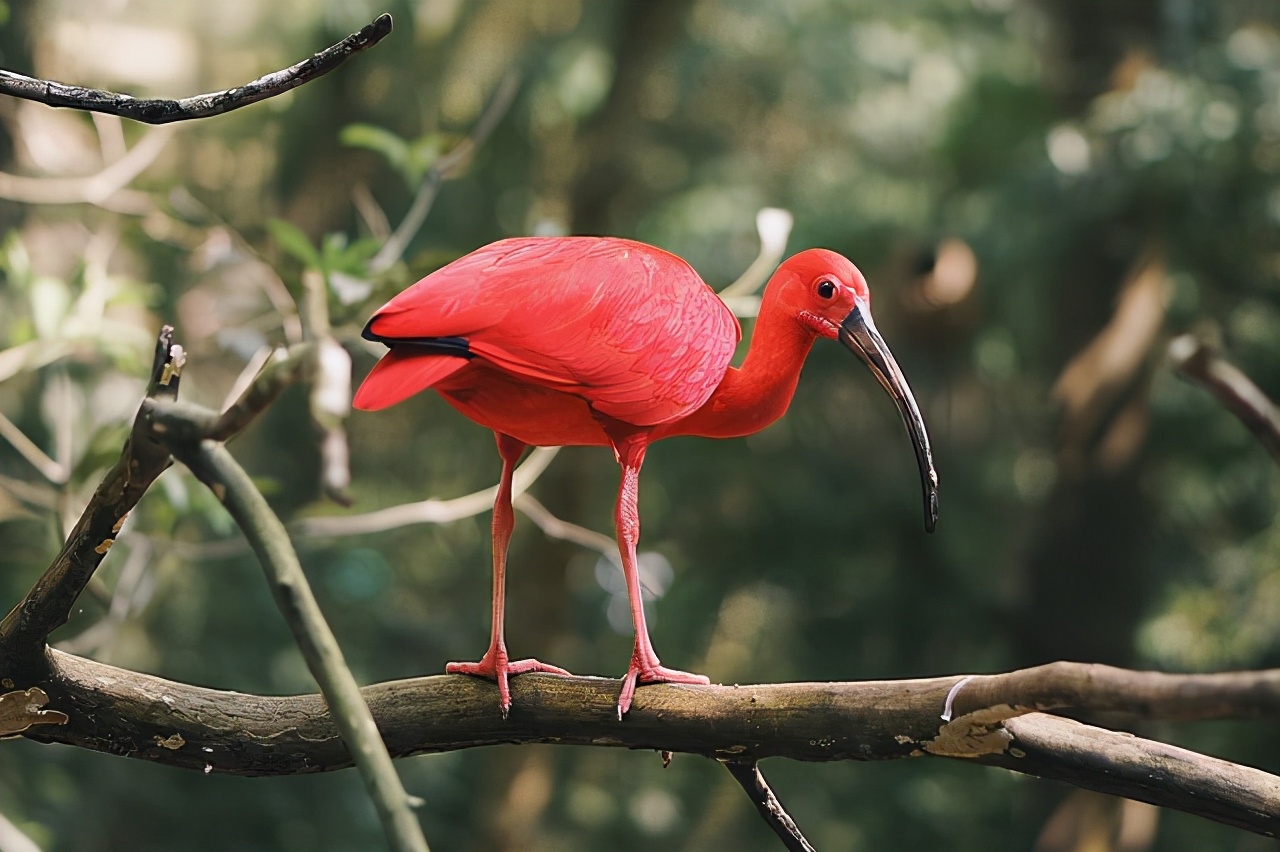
(20, 710)
(291, 239)
(379, 140)
(354, 258)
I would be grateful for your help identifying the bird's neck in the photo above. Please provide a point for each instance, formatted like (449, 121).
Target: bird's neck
(752, 396)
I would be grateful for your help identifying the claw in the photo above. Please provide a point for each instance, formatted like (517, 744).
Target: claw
(644, 671)
(497, 667)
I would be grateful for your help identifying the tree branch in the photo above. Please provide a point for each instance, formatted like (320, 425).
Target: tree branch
(24, 631)
(1149, 771)
(284, 369)
(747, 773)
(430, 511)
(163, 111)
(1144, 695)
(97, 188)
(996, 720)
(141, 716)
(162, 427)
(1202, 364)
(214, 466)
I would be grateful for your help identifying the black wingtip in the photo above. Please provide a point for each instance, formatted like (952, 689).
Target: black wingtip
(425, 345)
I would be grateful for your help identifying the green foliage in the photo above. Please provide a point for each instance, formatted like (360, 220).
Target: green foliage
(294, 242)
(410, 158)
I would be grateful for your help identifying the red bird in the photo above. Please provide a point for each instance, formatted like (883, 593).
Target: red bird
(609, 342)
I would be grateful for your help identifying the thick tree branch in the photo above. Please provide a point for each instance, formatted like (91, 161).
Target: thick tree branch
(142, 716)
(162, 111)
(996, 720)
(47, 606)
(1149, 771)
(1144, 695)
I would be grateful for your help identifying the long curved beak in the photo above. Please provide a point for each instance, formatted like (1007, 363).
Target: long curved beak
(859, 334)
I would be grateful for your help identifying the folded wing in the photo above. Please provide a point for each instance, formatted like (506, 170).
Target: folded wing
(630, 328)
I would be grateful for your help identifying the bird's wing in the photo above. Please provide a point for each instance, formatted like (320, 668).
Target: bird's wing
(629, 327)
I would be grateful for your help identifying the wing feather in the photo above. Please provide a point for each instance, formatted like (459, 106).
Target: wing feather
(627, 326)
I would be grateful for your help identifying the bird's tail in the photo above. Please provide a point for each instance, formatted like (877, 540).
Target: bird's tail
(401, 373)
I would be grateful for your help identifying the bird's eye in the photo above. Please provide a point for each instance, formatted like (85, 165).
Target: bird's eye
(826, 288)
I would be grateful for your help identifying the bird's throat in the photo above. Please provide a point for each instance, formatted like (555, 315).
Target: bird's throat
(752, 396)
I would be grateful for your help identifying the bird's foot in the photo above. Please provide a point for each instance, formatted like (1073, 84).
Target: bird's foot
(496, 667)
(648, 670)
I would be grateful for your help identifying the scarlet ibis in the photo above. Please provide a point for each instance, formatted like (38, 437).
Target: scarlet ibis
(609, 342)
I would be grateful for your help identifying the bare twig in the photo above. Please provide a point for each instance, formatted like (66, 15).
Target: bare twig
(31, 355)
(284, 369)
(431, 511)
(115, 710)
(99, 189)
(442, 170)
(747, 774)
(1200, 363)
(321, 361)
(33, 494)
(273, 287)
(110, 130)
(773, 225)
(211, 462)
(564, 530)
(47, 606)
(374, 217)
(36, 457)
(248, 373)
(162, 111)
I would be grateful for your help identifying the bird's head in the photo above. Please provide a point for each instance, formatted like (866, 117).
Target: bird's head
(820, 289)
(828, 297)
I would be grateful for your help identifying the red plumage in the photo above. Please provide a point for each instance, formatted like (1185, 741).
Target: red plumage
(604, 341)
(627, 327)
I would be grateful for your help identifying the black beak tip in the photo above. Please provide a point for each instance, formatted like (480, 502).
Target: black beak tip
(931, 503)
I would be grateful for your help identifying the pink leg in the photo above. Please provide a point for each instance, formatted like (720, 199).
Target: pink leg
(644, 667)
(495, 663)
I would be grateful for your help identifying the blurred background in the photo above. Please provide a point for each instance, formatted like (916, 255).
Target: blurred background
(1041, 193)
